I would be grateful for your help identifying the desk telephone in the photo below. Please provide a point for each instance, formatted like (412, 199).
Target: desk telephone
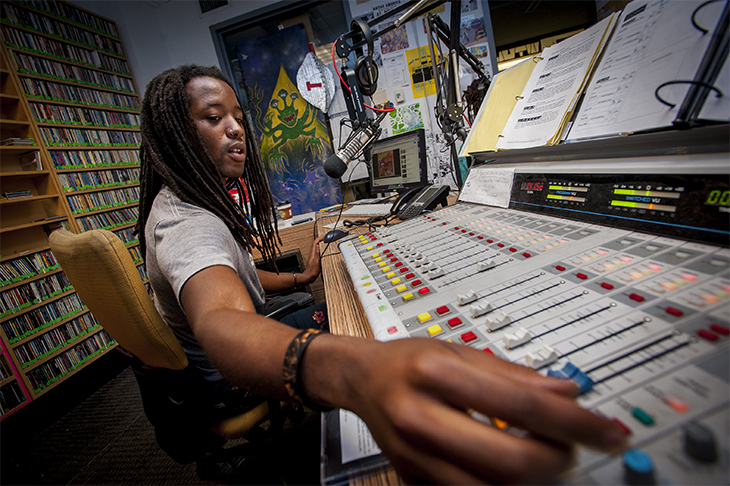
(420, 199)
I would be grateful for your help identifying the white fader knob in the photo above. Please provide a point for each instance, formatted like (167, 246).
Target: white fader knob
(542, 358)
(435, 273)
(518, 338)
(498, 320)
(480, 308)
(482, 266)
(468, 297)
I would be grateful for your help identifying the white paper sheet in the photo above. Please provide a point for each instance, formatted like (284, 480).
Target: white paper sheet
(356, 441)
(654, 42)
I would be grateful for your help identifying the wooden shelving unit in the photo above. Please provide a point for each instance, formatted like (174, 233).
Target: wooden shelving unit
(65, 84)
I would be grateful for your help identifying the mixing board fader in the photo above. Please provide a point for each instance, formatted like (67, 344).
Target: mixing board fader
(640, 321)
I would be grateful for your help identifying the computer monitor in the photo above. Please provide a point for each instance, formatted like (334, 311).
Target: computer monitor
(399, 163)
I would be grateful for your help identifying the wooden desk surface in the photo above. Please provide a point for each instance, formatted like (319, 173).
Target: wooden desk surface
(347, 317)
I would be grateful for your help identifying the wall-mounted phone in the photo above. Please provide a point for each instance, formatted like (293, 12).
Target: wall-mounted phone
(420, 199)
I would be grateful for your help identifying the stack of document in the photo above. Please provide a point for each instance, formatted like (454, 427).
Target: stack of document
(622, 68)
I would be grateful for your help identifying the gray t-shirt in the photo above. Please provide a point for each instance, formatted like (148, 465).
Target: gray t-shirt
(183, 239)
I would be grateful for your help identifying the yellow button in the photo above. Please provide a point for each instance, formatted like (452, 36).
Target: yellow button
(395, 281)
(366, 284)
(407, 296)
(369, 248)
(382, 264)
(376, 255)
(385, 269)
(379, 259)
(435, 329)
(390, 275)
(424, 317)
(400, 288)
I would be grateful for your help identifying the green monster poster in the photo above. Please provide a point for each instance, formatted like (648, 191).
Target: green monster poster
(292, 133)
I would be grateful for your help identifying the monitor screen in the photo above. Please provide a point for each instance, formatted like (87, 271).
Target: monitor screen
(399, 163)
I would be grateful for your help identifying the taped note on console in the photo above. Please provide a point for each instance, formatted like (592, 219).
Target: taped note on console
(485, 185)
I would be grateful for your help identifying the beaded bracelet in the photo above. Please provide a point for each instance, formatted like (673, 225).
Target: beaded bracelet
(292, 364)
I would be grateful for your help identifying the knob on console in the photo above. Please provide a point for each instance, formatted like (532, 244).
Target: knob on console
(638, 468)
(699, 442)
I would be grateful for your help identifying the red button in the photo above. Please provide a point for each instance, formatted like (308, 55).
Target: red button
(501, 245)
(456, 227)
(416, 283)
(704, 333)
(394, 259)
(386, 251)
(402, 270)
(674, 311)
(463, 231)
(526, 255)
(444, 223)
(424, 290)
(480, 237)
(392, 330)
(444, 309)
(720, 329)
(398, 264)
(490, 241)
(560, 268)
(410, 275)
(623, 426)
(454, 322)
(471, 234)
(581, 276)
(513, 250)
(487, 350)
(607, 286)
(637, 297)
(468, 337)
(373, 239)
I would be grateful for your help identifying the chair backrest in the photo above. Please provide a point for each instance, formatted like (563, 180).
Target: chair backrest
(103, 274)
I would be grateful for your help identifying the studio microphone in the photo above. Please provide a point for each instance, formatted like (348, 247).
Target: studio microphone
(336, 164)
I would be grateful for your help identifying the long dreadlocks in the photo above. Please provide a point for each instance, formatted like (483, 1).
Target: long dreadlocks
(173, 153)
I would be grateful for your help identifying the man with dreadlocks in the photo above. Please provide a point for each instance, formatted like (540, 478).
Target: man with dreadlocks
(416, 395)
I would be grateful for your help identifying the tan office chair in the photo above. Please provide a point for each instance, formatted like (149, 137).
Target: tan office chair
(106, 279)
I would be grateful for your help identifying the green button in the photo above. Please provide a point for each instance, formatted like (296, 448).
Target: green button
(382, 308)
(365, 277)
(642, 416)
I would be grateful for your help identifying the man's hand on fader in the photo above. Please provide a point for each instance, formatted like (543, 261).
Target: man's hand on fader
(415, 399)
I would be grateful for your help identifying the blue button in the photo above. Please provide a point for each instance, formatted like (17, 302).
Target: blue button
(638, 461)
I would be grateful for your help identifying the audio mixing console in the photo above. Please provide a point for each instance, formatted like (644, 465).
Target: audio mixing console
(619, 282)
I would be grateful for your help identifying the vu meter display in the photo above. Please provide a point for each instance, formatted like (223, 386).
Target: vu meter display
(646, 199)
(568, 192)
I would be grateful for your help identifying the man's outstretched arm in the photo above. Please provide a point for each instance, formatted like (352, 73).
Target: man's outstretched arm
(414, 394)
